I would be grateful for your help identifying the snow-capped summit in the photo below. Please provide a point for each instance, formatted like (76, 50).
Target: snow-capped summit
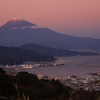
(16, 19)
(18, 23)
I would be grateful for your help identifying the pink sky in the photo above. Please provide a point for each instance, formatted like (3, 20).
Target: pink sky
(73, 17)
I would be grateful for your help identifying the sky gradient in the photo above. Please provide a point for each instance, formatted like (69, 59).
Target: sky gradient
(73, 17)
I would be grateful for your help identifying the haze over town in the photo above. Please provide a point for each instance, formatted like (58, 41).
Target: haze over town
(73, 17)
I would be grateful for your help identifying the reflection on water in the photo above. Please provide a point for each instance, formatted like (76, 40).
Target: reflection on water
(77, 65)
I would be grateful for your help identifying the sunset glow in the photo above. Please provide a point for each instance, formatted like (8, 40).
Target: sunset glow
(73, 17)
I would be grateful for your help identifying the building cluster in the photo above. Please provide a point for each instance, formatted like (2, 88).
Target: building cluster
(90, 83)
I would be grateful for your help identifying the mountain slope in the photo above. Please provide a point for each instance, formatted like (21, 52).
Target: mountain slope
(53, 52)
(18, 35)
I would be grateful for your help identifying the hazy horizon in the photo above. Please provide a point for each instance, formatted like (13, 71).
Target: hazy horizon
(72, 17)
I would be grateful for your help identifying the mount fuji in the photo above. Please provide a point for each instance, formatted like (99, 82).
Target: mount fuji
(18, 23)
(17, 32)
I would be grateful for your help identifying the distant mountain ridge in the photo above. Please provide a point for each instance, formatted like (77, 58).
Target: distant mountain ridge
(54, 52)
(18, 32)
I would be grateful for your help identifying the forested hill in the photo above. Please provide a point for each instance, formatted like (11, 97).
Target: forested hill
(17, 55)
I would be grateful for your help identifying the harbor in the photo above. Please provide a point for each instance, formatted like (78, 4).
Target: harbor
(75, 72)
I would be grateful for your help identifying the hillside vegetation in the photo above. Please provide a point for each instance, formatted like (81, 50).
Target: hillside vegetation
(25, 86)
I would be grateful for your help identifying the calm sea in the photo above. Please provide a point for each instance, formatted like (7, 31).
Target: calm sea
(77, 65)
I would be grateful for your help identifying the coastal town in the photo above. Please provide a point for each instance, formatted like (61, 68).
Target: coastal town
(88, 83)
(74, 82)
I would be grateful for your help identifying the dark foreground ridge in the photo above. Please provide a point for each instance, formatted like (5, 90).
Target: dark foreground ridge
(25, 86)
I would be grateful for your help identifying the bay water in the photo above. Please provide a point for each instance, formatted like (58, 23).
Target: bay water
(74, 65)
